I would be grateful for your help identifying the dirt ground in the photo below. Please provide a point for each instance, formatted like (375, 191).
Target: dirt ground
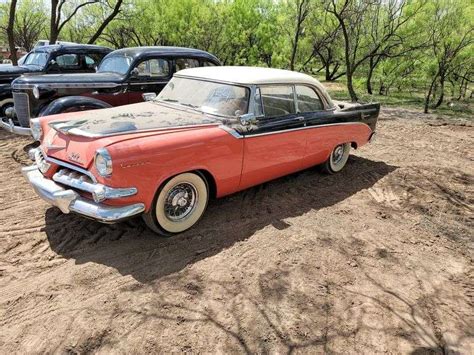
(376, 259)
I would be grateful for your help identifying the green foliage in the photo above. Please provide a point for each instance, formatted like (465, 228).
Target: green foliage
(401, 48)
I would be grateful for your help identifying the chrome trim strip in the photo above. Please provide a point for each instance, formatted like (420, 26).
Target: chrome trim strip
(10, 127)
(238, 135)
(70, 201)
(149, 83)
(79, 132)
(67, 86)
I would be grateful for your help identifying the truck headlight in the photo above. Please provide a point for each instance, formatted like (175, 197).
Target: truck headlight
(103, 162)
(36, 92)
(36, 130)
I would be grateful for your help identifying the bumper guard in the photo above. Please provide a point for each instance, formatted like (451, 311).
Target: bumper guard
(70, 201)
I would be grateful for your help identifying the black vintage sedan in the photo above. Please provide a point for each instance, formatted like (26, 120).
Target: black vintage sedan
(54, 59)
(125, 76)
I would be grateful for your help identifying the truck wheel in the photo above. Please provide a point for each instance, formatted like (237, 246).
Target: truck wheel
(4, 105)
(178, 205)
(338, 159)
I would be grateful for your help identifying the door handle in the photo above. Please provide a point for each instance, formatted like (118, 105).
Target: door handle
(300, 118)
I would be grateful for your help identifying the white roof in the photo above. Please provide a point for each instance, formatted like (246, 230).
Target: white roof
(249, 75)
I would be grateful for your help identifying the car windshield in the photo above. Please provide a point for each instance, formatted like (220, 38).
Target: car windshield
(115, 64)
(207, 96)
(36, 58)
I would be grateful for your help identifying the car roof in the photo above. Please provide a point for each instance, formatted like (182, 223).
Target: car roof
(249, 75)
(136, 52)
(71, 48)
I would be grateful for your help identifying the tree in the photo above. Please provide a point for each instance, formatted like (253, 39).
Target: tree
(302, 12)
(30, 22)
(451, 33)
(57, 8)
(10, 33)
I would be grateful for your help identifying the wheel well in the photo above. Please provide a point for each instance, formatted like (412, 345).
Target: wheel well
(210, 181)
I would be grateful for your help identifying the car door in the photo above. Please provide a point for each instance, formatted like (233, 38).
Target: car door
(149, 75)
(321, 133)
(276, 145)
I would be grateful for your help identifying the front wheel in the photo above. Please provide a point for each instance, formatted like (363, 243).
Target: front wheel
(178, 205)
(338, 159)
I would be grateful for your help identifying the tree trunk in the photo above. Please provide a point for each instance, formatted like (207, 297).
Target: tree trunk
(350, 87)
(106, 22)
(427, 98)
(11, 38)
(369, 75)
(53, 33)
(441, 94)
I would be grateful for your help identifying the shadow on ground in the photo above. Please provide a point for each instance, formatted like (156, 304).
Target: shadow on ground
(133, 250)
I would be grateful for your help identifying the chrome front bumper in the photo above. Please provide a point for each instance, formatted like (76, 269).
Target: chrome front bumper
(70, 201)
(10, 127)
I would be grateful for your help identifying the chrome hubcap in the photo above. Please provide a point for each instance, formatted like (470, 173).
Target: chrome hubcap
(338, 154)
(180, 201)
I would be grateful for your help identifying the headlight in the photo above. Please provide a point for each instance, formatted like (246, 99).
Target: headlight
(103, 162)
(36, 92)
(36, 130)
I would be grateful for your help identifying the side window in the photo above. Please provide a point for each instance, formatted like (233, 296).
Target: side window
(67, 60)
(307, 99)
(185, 63)
(205, 63)
(277, 100)
(156, 68)
(92, 60)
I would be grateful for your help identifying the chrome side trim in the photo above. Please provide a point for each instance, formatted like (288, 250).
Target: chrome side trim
(238, 135)
(10, 127)
(67, 86)
(70, 201)
(79, 132)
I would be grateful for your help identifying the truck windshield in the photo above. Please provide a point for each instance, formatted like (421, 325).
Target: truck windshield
(36, 58)
(206, 96)
(115, 64)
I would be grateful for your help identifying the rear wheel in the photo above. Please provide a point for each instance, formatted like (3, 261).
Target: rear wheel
(338, 159)
(178, 205)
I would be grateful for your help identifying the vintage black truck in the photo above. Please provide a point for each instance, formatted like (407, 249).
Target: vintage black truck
(123, 77)
(54, 59)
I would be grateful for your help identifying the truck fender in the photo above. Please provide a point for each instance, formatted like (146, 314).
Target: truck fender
(73, 104)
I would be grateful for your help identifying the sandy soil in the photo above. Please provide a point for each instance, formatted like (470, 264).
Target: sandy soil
(376, 259)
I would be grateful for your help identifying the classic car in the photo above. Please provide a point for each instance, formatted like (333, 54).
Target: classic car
(210, 132)
(122, 78)
(75, 58)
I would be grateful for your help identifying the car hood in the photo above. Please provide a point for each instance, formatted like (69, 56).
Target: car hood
(81, 133)
(10, 72)
(70, 80)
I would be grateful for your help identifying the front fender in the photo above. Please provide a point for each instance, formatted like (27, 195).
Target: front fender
(72, 104)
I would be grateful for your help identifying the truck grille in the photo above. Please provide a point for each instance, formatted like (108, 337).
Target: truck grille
(22, 108)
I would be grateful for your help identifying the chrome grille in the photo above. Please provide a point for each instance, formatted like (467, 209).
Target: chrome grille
(22, 108)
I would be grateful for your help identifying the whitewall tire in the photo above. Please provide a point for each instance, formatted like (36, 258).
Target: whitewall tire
(178, 205)
(338, 158)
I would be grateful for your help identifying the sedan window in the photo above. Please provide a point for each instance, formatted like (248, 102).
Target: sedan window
(154, 68)
(307, 99)
(67, 60)
(186, 63)
(277, 100)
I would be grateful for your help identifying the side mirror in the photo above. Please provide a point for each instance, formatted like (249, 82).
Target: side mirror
(247, 119)
(135, 73)
(148, 96)
(52, 62)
